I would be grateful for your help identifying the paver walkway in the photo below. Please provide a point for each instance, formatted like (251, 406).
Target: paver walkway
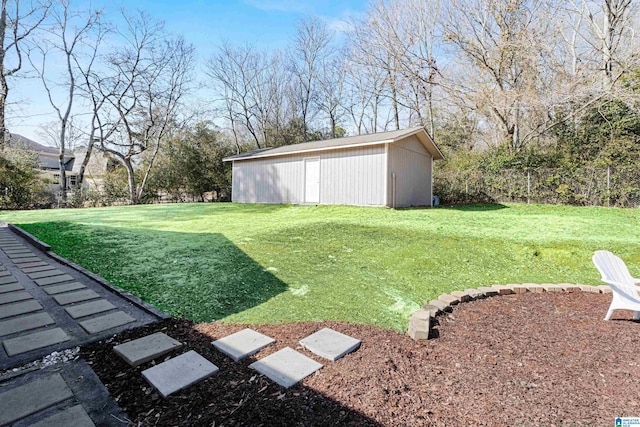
(47, 306)
(63, 395)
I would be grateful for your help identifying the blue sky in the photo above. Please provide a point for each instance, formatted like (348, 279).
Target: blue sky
(268, 24)
(265, 23)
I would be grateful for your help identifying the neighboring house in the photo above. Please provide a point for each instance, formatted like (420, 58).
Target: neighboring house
(50, 167)
(392, 169)
(48, 160)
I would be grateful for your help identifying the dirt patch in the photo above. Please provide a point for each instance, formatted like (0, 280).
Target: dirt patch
(531, 359)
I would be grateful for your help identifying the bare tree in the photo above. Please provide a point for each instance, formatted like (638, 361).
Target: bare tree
(146, 80)
(399, 37)
(49, 133)
(501, 42)
(365, 86)
(609, 32)
(89, 87)
(235, 71)
(18, 20)
(310, 49)
(64, 40)
(330, 91)
(253, 89)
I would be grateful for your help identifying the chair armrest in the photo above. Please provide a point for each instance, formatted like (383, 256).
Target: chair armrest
(635, 286)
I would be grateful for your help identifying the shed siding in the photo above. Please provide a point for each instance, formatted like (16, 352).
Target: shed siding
(412, 165)
(268, 180)
(353, 176)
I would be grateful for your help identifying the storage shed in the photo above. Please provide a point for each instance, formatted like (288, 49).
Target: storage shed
(392, 169)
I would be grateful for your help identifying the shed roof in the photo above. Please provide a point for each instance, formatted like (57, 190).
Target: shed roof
(346, 142)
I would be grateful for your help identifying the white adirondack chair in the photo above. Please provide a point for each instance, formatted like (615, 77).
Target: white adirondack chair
(623, 286)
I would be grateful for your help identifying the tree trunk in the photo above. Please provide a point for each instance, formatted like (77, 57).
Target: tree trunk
(63, 176)
(432, 126)
(332, 121)
(133, 194)
(4, 89)
(148, 171)
(375, 113)
(394, 100)
(87, 157)
(607, 43)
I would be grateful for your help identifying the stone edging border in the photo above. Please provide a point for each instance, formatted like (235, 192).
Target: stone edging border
(420, 320)
(106, 284)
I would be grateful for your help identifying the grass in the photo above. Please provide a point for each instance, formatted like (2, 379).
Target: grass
(270, 263)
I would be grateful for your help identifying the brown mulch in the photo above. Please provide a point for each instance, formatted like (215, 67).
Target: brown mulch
(531, 359)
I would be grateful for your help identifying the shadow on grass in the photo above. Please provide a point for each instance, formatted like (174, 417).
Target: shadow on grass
(198, 276)
(476, 208)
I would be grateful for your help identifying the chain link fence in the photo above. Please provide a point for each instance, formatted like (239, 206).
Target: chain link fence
(603, 186)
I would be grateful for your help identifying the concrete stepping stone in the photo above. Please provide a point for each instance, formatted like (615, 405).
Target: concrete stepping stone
(38, 268)
(34, 341)
(66, 287)
(25, 260)
(45, 273)
(25, 323)
(286, 367)
(19, 308)
(87, 309)
(14, 296)
(330, 344)
(7, 279)
(79, 296)
(32, 397)
(38, 263)
(108, 321)
(55, 279)
(4, 272)
(11, 287)
(75, 416)
(242, 344)
(179, 373)
(147, 348)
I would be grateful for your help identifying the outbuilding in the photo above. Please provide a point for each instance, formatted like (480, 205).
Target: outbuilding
(392, 169)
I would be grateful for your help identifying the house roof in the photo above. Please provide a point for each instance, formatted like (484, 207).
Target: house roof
(346, 142)
(47, 156)
(19, 141)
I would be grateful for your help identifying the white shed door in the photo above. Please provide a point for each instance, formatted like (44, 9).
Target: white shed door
(312, 180)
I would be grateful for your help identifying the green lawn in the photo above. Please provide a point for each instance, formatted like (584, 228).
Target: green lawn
(269, 263)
